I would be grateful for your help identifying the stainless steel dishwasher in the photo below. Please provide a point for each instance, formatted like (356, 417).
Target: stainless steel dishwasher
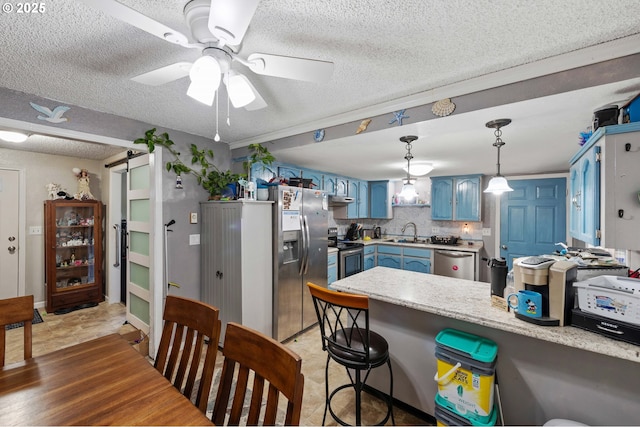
(460, 265)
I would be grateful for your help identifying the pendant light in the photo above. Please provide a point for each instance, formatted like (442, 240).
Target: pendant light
(498, 183)
(408, 192)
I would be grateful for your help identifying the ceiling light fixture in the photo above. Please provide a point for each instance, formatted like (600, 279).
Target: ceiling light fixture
(498, 183)
(419, 168)
(11, 136)
(408, 192)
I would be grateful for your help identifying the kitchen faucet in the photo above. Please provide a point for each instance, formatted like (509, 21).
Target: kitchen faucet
(415, 230)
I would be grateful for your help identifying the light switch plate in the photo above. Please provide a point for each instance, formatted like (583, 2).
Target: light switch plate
(486, 232)
(194, 239)
(193, 217)
(435, 230)
(35, 229)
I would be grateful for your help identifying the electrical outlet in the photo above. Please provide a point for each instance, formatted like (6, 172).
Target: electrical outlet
(35, 229)
(194, 239)
(193, 217)
(486, 232)
(435, 230)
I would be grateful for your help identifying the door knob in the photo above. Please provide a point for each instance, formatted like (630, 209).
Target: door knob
(503, 247)
(12, 238)
(11, 249)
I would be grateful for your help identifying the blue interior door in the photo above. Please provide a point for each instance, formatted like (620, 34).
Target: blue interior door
(532, 218)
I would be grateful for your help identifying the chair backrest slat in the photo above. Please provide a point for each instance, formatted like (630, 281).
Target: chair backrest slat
(187, 322)
(14, 310)
(272, 365)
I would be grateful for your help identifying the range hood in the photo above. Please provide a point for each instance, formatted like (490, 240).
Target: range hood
(340, 200)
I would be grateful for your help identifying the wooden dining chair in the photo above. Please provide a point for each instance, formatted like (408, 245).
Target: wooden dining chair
(272, 365)
(187, 323)
(14, 310)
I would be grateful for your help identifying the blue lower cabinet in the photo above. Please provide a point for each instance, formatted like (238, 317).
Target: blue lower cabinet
(419, 265)
(332, 268)
(369, 261)
(391, 261)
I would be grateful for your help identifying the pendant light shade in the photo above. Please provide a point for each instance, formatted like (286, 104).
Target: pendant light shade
(408, 192)
(498, 184)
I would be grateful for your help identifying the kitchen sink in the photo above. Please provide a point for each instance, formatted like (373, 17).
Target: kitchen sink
(419, 241)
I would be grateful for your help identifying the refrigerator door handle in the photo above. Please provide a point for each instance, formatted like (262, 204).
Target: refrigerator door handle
(308, 244)
(303, 257)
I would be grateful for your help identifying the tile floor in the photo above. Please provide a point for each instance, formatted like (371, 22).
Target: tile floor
(58, 331)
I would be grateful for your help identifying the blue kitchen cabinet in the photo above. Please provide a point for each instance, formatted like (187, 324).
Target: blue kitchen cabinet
(260, 171)
(380, 200)
(369, 256)
(416, 259)
(363, 199)
(456, 198)
(441, 198)
(314, 176)
(390, 256)
(332, 267)
(342, 186)
(330, 183)
(287, 172)
(353, 191)
(584, 187)
(468, 198)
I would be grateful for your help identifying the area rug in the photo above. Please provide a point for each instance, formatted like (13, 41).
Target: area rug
(36, 319)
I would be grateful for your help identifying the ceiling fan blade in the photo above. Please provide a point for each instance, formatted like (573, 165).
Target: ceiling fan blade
(137, 19)
(165, 74)
(229, 19)
(288, 67)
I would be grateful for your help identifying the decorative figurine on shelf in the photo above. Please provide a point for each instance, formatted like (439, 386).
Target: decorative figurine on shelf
(53, 189)
(84, 193)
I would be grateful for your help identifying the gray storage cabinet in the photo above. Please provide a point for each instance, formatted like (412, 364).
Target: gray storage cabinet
(236, 264)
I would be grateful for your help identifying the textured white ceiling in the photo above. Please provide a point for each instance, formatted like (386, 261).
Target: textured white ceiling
(381, 50)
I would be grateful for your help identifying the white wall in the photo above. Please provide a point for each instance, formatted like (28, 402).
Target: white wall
(41, 169)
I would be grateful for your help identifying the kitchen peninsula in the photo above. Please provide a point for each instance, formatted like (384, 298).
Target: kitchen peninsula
(543, 372)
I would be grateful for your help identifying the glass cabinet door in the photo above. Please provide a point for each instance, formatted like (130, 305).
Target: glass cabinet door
(74, 246)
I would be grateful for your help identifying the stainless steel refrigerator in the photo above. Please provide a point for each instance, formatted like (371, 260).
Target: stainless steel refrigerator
(300, 223)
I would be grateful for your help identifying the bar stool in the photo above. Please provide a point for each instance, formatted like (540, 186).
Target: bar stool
(347, 339)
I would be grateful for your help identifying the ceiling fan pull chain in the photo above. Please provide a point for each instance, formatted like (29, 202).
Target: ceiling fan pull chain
(217, 137)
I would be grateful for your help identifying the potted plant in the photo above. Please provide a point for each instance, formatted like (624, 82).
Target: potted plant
(208, 175)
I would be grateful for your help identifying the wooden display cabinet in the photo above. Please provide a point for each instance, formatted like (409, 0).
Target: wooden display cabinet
(73, 253)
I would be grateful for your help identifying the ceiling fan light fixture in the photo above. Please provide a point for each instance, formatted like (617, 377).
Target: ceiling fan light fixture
(205, 75)
(12, 136)
(240, 90)
(202, 93)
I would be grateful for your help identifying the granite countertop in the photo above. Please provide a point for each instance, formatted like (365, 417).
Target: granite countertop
(470, 301)
(466, 246)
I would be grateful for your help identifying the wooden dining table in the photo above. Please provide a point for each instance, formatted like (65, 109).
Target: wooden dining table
(100, 382)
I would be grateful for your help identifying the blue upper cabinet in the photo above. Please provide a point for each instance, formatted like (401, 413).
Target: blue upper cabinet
(584, 186)
(363, 199)
(468, 197)
(456, 198)
(315, 177)
(342, 186)
(353, 190)
(259, 171)
(380, 200)
(442, 198)
(287, 172)
(330, 184)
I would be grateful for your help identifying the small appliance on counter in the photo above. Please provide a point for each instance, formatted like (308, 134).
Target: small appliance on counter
(553, 280)
(609, 306)
(444, 240)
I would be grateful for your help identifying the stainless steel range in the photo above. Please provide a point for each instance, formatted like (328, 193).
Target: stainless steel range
(350, 254)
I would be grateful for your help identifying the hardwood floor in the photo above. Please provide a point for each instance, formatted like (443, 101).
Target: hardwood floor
(59, 331)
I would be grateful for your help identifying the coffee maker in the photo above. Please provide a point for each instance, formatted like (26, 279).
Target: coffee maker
(553, 280)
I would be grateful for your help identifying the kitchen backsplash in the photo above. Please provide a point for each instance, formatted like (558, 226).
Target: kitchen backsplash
(421, 216)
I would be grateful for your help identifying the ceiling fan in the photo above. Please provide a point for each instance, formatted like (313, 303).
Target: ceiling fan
(217, 28)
